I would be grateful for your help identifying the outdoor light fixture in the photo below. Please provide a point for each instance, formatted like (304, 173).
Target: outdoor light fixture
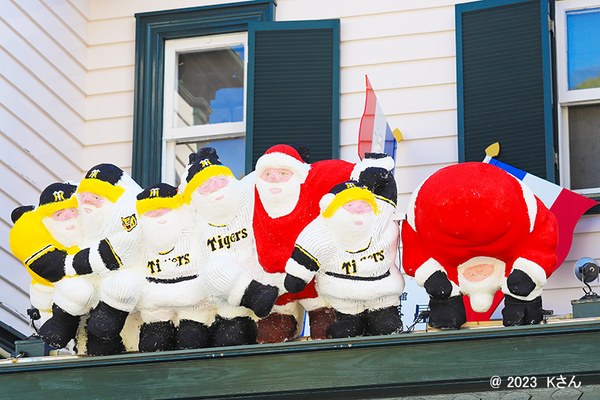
(586, 270)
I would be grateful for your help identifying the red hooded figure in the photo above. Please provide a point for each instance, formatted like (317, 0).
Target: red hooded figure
(288, 191)
(472, 229)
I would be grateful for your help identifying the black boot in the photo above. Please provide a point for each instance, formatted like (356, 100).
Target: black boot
(105, 321)
(534, 313)
(59, 329)
(234, 332)
(347, 325)
(385, 321)
(259, 298)
(157, 336)
(104, 347)
(520, 312)
(447, 314)
(192, 335)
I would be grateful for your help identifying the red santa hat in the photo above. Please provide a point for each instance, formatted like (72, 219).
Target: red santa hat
(283, 156)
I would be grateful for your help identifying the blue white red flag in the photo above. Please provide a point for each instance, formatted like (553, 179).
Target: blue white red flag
(375, 135)
(566, 205)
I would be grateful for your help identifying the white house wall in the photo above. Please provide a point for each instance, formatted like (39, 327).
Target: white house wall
(67, 86)
(43, 59)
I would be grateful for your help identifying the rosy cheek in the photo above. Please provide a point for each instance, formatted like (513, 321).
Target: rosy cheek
(285, 177)
(266, 176)
(64, 215)
(98, 203)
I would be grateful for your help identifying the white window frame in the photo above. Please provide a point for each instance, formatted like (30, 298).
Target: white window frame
(173, 135)
(568, 97)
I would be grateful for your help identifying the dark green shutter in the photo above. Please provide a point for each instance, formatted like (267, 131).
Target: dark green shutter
(293, 87)
(504, 83)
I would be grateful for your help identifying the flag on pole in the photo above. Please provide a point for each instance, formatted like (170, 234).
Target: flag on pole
(566, 205)
(375, 135)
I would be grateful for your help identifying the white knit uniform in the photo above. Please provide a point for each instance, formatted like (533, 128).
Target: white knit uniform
(173, 288)
(352, 282)
(118, 288)
(229, 254)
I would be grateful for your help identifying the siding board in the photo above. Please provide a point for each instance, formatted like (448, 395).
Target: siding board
(73, 17)
(111, 30)
(54, 27)
(403, 101)
(111, 80)
(35, 64)
(39, 121)
(47, 46)
(16, 156)
(37, 150)
(111, 55)
(40, 95)
(396, 49)
(399, 23)
(430, 72)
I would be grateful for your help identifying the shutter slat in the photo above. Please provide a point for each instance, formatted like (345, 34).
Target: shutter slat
(295, 87)
(503, 84)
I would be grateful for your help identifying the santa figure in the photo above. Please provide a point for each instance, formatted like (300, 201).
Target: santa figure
(111, 246)
(222, 207)
(45, 239)
(288, 191)
(472, 229)
(350, 250)
(175, 310)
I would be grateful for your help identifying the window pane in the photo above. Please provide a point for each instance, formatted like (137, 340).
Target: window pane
(210, 87)
(584, 146)
(232, 153)
(583, 48)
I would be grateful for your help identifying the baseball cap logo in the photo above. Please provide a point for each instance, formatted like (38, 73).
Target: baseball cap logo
(94, 174)
(59, 195)
(153, 193)
(205, 163)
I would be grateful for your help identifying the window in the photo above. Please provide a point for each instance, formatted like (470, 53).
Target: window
(578, 67)
(204, 101)
(505, 83)
(292, 86)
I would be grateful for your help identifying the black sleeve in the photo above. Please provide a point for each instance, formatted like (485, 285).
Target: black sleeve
(303, 258)
(110, 259)
(50, 265)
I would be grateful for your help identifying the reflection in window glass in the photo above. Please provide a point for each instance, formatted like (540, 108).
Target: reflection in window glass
(210, 87)
(232, 153)
(583, 48)
(584, 146)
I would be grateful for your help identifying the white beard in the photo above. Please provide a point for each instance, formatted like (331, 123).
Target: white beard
(481, 293)
(58, 230)
(221, 211)
(96, 222)
(279, 204)
(162, 237)
(350, 236)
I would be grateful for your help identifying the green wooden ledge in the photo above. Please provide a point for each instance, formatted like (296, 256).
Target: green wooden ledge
(373, 367)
